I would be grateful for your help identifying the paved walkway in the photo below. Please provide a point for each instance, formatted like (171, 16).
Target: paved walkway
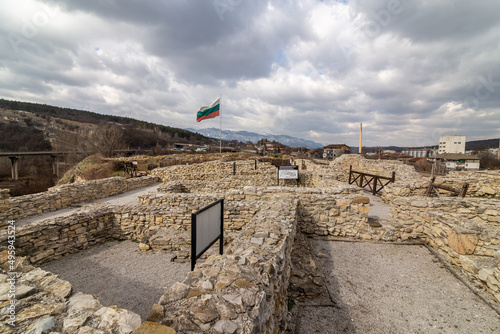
(127, 198)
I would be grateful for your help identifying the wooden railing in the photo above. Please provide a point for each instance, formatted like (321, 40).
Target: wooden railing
(374, 182)
(433, 188)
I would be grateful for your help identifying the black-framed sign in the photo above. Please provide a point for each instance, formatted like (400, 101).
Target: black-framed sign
(207, 226)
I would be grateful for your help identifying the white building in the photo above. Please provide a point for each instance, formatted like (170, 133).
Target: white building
(451, 144)
(420, 152)
(458, 161)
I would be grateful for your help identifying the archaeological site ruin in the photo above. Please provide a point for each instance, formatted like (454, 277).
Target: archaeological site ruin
(251, 287)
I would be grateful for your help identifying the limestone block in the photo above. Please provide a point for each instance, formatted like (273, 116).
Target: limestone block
(485, 273)
(59, 288)
(117, 320)
(487, 190)
(463, 244)
(361, 200)
(176, 292)
(81, 302)
(149, 327)
(226, 327)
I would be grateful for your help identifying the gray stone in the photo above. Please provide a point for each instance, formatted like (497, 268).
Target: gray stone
(484, 273)
(42, 326)
(226, 327)
(176, 292)
(60, 288)
(258, 241)
(83, 302)
(233, 299)
(120, 321)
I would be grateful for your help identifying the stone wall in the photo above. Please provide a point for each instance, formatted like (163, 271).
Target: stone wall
(481, 183)
(464, 230)
(54, 238)
(66, 195)
(244, 290)
(218, 176)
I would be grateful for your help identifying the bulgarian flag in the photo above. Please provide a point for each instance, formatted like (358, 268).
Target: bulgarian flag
(211, 111)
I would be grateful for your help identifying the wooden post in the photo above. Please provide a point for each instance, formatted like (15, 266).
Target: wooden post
(428, 193)
(350, 173)
(463, 191)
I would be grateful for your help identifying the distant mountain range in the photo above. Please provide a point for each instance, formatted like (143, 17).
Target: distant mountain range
(254, 137)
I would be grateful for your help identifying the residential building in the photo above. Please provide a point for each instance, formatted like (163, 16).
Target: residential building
(335, 150)
(458, 161)
(451, 144)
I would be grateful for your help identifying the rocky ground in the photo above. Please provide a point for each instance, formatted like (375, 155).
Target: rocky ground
(118, 273)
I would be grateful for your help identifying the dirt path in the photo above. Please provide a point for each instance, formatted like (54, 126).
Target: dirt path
(386, 288)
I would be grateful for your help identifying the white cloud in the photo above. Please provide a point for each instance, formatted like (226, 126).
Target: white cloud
(313, 69)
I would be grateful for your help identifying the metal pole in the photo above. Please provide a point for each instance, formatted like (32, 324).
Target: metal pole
(193, 241)
(221, 240)
(220, 124)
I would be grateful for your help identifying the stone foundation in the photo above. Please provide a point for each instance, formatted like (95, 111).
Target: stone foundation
(66, 195)
(245, 290)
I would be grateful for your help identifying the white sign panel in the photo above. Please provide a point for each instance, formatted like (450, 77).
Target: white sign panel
(288, 174)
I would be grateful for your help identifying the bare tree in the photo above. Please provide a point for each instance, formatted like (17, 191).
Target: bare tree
(106, 138)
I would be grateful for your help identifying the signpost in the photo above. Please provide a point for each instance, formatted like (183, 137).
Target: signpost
(207, 226)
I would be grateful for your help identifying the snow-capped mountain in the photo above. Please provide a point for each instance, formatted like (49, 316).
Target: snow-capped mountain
(245, 136)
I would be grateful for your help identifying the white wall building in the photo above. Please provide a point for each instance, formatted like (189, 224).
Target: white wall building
(451, 144)
(420, 152)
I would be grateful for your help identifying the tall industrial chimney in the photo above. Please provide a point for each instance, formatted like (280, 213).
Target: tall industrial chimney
(360, 136)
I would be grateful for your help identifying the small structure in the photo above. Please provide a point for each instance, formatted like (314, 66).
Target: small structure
(458, 161)
(335, 150)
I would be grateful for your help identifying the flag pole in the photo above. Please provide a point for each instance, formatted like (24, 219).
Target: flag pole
(220, 124)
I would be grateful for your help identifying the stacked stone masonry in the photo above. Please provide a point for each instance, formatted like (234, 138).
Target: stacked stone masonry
(245, 290)
(63, 196)
(266, 219)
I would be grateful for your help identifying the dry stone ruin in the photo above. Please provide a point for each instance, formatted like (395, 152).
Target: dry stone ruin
(248, 288)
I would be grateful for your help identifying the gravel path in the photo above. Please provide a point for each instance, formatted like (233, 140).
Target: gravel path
(119, 274)
(386, 288)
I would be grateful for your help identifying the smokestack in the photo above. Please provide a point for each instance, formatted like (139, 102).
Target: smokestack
(360, 136)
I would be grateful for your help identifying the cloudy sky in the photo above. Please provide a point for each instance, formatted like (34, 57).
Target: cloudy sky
(410, 71)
